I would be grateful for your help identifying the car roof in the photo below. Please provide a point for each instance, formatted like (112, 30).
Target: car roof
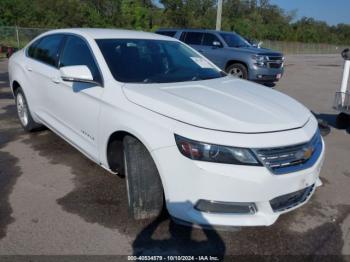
(101, 33)
(194, 30)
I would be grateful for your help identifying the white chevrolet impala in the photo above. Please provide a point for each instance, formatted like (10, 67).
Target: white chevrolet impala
(213, 149)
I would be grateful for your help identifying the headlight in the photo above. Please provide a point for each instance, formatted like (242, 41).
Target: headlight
(260, 59)
(215, 153)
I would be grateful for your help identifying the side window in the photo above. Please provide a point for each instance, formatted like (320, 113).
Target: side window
(193, 38)
(167, 33)
(32, 48)
(77, 52)
(47, 49)
(209, 39)
(183, 36)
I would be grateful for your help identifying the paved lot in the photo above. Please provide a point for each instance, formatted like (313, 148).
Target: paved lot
(55, 201)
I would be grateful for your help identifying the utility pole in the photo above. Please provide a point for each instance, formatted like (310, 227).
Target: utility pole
(17, 36)
(218, 15)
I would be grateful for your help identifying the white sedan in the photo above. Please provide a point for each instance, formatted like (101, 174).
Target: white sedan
(213, 149)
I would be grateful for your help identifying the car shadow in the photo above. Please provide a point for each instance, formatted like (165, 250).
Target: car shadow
(336, 121)
(330, 119)
(179, 240)
(272, 85)
(5, 92)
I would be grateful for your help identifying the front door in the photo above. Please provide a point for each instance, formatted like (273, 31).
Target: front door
(212, 49)
(76, 105)
(194, 39)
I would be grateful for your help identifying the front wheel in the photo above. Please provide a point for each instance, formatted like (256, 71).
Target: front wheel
(144, 187)
(23, 112)
(237, 70)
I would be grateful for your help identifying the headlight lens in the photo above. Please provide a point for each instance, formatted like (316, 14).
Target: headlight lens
(260, 58)
(215, 153)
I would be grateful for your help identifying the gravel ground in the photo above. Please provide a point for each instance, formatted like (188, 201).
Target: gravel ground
(55, 201)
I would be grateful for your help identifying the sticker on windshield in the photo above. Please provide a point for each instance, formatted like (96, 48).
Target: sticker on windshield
(201, 62)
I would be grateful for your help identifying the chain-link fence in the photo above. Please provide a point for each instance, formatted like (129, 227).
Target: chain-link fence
(11, 36)
(303, 48)
(19, 36)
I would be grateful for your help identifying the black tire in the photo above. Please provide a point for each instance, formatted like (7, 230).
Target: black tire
(239, 68)
(30, 125)
(144, 187)
(116, 157)
(342, 121)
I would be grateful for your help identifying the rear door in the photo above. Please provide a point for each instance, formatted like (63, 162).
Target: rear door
(194, 39)
(42, 71)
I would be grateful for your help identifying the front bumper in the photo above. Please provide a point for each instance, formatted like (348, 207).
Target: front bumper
(186, 182)
(264, 74)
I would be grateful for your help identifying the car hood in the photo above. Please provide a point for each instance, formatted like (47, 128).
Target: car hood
(257, 51)
(225, 104)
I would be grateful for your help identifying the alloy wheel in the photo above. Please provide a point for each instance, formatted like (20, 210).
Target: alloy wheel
(236, 72)
(22, 109)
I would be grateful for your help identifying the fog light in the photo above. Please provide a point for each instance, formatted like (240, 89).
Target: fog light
(260, 76)
(225, 207)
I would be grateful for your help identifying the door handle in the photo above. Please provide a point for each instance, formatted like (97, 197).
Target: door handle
(29, 69)
(56, 80)
(201, 50)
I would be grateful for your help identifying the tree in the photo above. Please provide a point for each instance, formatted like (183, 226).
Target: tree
(257, 19)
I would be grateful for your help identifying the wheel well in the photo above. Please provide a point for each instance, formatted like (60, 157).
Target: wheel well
(115, 157)
(231, 62)
(15, 86)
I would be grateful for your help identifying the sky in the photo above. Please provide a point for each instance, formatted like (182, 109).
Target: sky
(330, 11)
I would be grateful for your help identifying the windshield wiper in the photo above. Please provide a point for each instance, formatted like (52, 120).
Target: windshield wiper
(149, 81)
(196, 78)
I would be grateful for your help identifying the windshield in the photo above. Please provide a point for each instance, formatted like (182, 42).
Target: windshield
(234, 40)
(154, 61)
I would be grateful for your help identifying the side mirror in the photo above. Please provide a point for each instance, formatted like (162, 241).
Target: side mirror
(216, 44)
(77, 73)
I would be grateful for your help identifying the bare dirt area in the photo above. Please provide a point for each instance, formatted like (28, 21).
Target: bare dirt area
(54, 201)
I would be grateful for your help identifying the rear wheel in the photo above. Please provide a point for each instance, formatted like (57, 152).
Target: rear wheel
(23, 112)
(237, 70)
(144, 187)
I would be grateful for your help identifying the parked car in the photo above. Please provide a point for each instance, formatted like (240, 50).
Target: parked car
(215, 149)
(8, 50)
(233, 53)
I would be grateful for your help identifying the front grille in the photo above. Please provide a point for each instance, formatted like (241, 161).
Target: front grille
(282, 160)
(288, 201)
(275, 65)
(275, 61)
(276, 58)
